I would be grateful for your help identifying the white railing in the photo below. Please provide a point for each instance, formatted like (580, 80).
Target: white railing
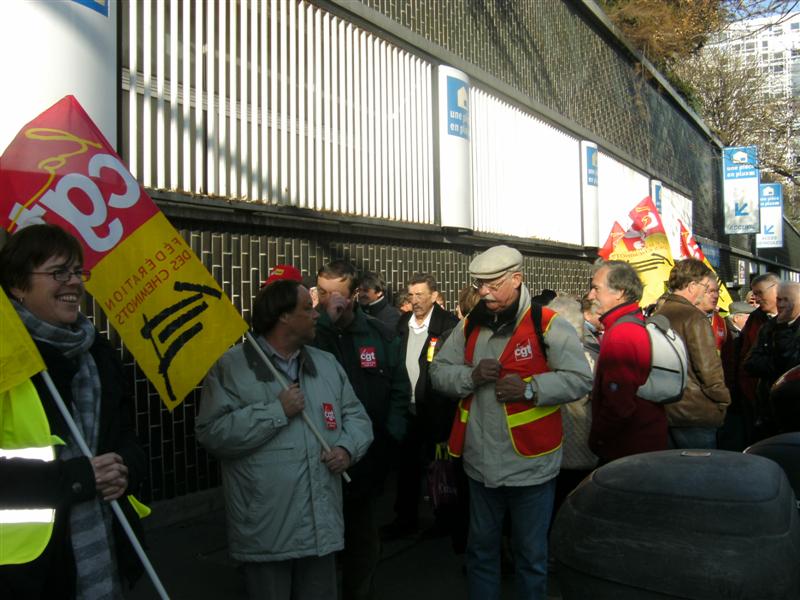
(277, 102)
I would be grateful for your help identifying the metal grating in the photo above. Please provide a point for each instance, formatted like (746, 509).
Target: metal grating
(277, 102)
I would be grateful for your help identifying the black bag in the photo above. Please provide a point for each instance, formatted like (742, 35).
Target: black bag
(442, 485)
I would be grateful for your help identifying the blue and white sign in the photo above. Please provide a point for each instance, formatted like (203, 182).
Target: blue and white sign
(740, 180)
(591, 165)
(590, 193)
(771, 202)
(457, 107)
(711, 250)
(454, 148)
(655, 193)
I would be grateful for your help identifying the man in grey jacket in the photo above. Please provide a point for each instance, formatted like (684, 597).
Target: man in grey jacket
(509, 424)
(283, 494)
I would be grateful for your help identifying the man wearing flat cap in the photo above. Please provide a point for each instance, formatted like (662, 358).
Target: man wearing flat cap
(513, 363)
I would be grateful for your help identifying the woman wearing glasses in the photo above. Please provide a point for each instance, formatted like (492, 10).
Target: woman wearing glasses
(41, 270)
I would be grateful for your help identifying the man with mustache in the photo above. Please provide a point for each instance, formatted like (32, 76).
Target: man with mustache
(512, 363)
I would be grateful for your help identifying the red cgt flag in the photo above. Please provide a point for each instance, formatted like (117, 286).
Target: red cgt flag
(167, 308)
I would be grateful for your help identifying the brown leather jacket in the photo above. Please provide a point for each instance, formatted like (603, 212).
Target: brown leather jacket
(706, 398)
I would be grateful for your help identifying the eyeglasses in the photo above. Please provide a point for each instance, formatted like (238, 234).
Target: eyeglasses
(764, 291)
(493, 286)
(64, 275)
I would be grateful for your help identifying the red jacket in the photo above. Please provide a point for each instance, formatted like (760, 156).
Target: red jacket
(622, 423)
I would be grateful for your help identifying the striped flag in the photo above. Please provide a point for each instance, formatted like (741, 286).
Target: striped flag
(168, 310)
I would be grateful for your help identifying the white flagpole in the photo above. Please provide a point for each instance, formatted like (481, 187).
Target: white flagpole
(78, 438)
(285, 385)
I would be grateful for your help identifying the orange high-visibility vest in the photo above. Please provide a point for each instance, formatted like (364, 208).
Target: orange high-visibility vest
(533, 430)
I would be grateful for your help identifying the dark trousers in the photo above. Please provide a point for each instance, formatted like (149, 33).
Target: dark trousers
(362, 547)
(410, 470)
(308, 578)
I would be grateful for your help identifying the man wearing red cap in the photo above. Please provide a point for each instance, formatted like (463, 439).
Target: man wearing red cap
(279, 272)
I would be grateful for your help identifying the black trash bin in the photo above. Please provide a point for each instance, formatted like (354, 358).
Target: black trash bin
(698, 524)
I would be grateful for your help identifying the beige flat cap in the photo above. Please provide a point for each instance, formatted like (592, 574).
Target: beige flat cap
(740, 308)
(494, 262)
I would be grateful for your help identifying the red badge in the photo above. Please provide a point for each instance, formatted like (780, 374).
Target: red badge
(369, 359)
(330, 416)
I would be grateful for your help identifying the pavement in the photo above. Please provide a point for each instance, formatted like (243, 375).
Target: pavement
(188, 549)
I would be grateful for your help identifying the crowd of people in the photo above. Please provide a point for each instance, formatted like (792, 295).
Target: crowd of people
(528, 393)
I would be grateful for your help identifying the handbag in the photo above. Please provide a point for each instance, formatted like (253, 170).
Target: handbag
(442, 485)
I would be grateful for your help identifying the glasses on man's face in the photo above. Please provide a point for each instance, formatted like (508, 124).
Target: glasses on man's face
(64, 275)
(478, 284)
(761, 292)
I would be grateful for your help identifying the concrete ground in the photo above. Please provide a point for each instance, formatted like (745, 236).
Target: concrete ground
(189, 553)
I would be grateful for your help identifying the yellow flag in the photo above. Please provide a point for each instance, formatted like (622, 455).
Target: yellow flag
(19, 358)
(691, 249)
(167, 308)
(646, 247)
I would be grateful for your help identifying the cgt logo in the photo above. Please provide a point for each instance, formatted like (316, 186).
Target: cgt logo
(369, 359)
(523, 351)
(329, 414)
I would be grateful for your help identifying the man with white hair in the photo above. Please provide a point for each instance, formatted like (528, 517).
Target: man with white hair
(765, 290)
(777, 349)
(512, 363)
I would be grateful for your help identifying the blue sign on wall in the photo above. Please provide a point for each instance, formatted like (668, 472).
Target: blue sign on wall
(740, 189)
(591, 165)
(100, 6)
(712, 254)
(457, 107)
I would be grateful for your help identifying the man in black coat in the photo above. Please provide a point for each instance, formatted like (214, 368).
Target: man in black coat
(430, 414)
(373, 300)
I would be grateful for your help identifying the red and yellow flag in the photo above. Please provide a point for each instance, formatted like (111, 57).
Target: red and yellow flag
(691, 249)
(167, 308)
(645, 246)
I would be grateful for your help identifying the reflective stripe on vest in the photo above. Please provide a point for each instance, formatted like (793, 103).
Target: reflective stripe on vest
(28, 515)
(533, 430)
(24, 433)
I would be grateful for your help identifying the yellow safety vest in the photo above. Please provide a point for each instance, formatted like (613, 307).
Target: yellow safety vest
(24, 433)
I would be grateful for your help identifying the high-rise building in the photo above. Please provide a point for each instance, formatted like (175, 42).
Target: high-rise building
(773, 43)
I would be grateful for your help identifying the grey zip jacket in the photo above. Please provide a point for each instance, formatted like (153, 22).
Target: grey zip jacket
(281, 501)
(489, 456)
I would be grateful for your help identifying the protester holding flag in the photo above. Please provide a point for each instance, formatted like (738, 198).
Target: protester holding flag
(283, 495)
(41, 269)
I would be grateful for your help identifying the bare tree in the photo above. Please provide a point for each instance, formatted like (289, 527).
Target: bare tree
(730, 94)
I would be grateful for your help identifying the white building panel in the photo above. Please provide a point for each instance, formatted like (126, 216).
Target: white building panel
(620, 189)
(526, 174)
(53, 49)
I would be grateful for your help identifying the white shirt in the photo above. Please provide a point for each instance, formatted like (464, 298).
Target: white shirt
(417, 334)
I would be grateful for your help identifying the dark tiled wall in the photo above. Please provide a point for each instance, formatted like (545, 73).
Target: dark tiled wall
(240, 261)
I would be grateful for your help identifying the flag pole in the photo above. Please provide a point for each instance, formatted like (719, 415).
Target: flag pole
(285, 386)
(78, 438)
